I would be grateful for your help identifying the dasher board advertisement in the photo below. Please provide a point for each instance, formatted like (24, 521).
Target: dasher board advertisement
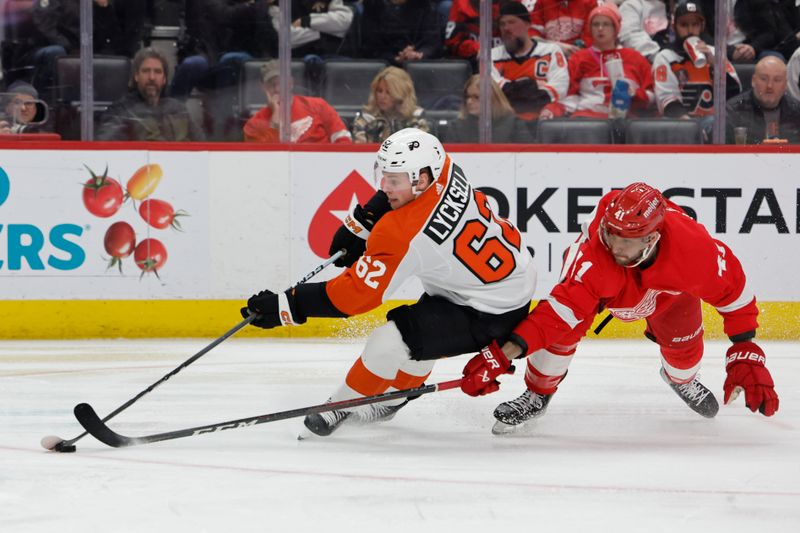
(112, 224)
(749, 201)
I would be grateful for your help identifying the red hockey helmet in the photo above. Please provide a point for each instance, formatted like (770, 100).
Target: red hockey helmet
(637, 211)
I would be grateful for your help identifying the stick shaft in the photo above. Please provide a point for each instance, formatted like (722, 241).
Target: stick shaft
(92, 423)
(216, 342)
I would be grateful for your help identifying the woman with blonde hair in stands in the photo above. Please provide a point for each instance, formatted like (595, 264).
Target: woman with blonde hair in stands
(506, 127)
(392, 106)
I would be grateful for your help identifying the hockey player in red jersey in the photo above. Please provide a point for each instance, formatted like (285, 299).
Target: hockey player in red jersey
(428, 222)
(641, 257)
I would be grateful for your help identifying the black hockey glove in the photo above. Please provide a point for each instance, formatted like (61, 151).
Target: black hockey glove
(274, 309)
(352, 235)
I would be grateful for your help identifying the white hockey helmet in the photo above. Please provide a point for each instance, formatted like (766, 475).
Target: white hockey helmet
(410, 150)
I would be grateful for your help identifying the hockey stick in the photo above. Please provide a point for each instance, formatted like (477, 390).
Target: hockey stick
(91, 422)
(58, 444)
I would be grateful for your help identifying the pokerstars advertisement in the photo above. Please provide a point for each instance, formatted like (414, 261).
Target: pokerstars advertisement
(114, 224)
(749, 201)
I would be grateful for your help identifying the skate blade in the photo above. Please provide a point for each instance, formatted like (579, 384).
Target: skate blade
(501, 428)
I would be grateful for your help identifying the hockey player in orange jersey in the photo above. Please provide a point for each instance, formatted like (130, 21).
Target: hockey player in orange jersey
(428, 222)
(641, 257)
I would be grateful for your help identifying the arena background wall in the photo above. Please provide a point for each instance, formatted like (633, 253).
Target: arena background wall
(262, 218)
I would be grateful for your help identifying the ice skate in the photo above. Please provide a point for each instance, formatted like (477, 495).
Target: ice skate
(696, 395)
(512, 415)
(323, 424)
(376, 412)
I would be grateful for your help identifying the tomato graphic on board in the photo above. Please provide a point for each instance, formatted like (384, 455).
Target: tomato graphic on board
(119, 242)
(102, 195)
(144, 181)
(150, 255)
(160, 214)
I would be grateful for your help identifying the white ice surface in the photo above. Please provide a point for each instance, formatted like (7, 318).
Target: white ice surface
(616, 452)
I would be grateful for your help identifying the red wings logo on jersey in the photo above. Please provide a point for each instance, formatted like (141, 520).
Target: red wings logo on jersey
(333, 210)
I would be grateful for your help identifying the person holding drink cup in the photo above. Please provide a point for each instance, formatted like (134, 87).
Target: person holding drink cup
(683, 72)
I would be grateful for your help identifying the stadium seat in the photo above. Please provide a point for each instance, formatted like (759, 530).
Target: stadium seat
(346, 84)
(662, 131)
(575, 131)
(745, 73)
(16, 29)
(439, 82)
(112, 75)
(251, 93)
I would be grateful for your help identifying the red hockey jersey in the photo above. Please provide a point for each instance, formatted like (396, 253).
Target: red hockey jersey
(689, 261)
(589, 92)
(563, 20)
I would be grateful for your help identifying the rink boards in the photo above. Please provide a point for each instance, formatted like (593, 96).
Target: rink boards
(261, 219)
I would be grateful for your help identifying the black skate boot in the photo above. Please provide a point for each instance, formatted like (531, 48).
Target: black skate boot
(511, 415)
(323, 424)
(696, 395)
(377, 412)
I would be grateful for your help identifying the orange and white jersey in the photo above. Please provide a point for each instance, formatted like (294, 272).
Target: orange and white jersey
(449, 238)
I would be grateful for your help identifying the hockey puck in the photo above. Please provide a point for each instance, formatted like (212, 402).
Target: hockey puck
(56, 444)
(65, 448)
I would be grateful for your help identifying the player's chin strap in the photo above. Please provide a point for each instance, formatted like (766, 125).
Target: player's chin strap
(647, 251)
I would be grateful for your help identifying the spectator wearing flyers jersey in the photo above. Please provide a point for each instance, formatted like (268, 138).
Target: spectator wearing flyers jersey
(463, 29)
(684, 90)
(594, 70)
(563, 22)
(313, 119)
(531, 73)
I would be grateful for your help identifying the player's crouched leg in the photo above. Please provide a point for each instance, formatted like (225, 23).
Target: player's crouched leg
(373, 373)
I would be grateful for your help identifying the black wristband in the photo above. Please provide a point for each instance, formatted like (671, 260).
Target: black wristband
(743, 337)
(311, 299)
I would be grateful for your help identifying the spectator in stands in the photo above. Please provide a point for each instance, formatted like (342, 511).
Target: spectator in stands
(313, 119)
(645, 26)
(400, 30)
(506, 127)
(739, 49)
(531, 73)
(318, 26)
(793, 75)
(220, 36)
(392, 106)
(563, 22)
(23, 112)
(771, 26)
(594, 70)
(463, 29)
(765, 111)
(145, 114)
(682, 89)
(118, 28)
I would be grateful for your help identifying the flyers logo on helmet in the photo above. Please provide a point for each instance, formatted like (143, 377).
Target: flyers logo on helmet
(334, 209)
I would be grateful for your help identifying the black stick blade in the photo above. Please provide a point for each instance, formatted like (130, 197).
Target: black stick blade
(87, 417)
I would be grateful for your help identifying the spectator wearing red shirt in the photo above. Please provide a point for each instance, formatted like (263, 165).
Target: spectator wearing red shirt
(313, 119)
(563, 22)
(594, 70)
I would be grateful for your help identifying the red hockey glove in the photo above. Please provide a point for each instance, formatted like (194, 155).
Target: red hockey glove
(480, 374)
(745, 365)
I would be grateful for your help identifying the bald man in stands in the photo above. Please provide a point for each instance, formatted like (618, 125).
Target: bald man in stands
(768, 113)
